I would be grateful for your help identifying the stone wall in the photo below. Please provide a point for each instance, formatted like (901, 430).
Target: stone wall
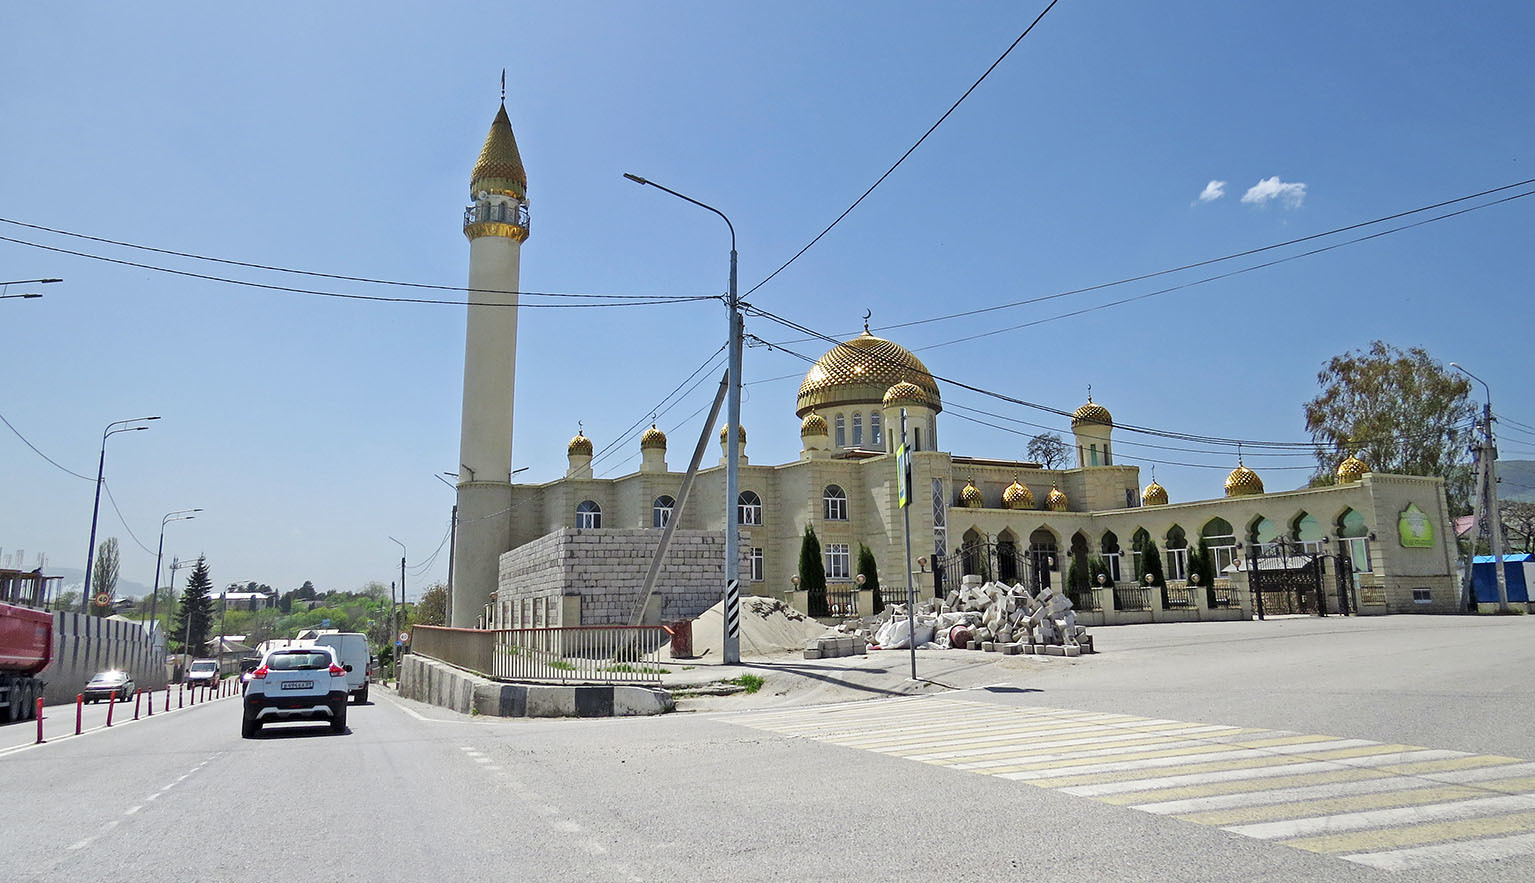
(84, 645)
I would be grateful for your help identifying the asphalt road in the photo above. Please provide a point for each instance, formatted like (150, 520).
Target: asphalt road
(907, 788)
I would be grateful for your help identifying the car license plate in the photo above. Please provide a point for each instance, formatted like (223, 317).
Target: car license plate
(298, 685)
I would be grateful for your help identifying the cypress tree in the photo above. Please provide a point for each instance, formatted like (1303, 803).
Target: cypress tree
(1151, 563)
(869, 570)
(812, 573)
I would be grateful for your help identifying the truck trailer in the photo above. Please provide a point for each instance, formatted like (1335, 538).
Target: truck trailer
(26, 642)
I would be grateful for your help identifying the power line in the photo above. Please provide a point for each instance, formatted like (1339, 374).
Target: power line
(908, 152)
(39, 453)
(660, 408)
(124, 521)
(632, 301)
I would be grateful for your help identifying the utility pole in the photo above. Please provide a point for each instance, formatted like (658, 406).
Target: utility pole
(452, 544)
(903, 466)
(1489, 521)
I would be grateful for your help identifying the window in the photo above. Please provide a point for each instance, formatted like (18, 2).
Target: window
(836, 503)
(1177, 553)
(932, 433)
(838, 561)
(1108, 456)
(1422, 596)
(757, 568)
(1131, 501)
(1221, 539)
(876, 433)
(916, 439)
(1308, 532)
(588, 514)
(661, 511)
(857, 430)
(841, 437)
(1354, 537)
(1093, 455)
(1109, 546)
(749, 508)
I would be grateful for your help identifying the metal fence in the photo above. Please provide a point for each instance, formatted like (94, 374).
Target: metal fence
(1132, 598)
(1179, 597)
(842, 603)
(601, 654)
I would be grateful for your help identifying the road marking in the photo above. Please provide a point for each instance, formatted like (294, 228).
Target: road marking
(1383, 805)
(82, 844)
(133, 809)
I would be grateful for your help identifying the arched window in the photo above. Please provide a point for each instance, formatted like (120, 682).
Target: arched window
(1109, 546)
(749, 508)
(835, 501)
(857, 429)
(1263, 534)
(1042, 555)
(916, 438)
(1354, 537)
(1138, 542)
(876, 433)
(1092, 451)
(1108, 455)
(1308, 532)
(1007, 558)
(841, 437)
(1177, 553)
(1221, 539)
(932, 433)
(588, 514)
(661, 511)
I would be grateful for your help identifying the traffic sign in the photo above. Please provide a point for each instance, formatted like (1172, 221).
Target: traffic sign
(404, 637)
(103, 599)
(903, 475)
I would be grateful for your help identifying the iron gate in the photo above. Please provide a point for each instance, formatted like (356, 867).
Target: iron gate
(1284, 578)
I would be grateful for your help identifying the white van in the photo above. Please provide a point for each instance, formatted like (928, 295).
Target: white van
(352, 649)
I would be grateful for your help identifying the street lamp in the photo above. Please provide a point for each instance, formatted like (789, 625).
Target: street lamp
(175, 566)
(154, 597)
(90, 553)
(1487, 500)
(28, 295)
(732, 618)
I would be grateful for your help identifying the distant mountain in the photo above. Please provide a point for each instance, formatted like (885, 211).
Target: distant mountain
(1516, 480)
(74, 578)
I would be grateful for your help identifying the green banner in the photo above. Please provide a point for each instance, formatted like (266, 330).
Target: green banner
(1415, 529)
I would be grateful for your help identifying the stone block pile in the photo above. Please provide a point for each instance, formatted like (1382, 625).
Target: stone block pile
(990, 617)
(832, 646)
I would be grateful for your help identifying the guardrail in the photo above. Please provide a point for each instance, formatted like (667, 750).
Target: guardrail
(601, 654)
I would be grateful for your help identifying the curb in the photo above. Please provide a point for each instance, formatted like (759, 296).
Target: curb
(438, 683)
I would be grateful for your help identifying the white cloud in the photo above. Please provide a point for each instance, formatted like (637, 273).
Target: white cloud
(1289, 193)
(1213, 191)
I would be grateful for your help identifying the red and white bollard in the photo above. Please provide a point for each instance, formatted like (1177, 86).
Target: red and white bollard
(111, 705)
(181, 695)
(79, 709)
(167, 697)
(39, 720)
(138, 697)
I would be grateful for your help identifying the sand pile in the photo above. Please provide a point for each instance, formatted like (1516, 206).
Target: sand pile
(769, 627)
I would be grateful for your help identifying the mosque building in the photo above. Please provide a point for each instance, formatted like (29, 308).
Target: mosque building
(1381, 543)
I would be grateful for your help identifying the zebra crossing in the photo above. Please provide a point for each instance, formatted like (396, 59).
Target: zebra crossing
(1383, 805)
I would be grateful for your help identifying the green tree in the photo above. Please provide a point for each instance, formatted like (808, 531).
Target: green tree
(812, 573)
(1078, 572)
(1202, 562)
(433, 608)
(194, 618)
(1151, 563)
(868, 568)
(1401, 411)
(1048, 449)
(104, 576)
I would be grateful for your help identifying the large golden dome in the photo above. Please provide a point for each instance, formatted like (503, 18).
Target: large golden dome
(1351, 469)
(499, 168)
(579, 445)
(1056, 501)
(860, 372)
(813, 424)
(1243, 482)
(1154, 495)
(653, 438)
(970, 497)
(1017, 497)
(1092, 412)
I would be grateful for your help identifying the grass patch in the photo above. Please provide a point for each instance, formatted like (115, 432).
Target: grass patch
(626, 668)
(561, 664)
(750, 683)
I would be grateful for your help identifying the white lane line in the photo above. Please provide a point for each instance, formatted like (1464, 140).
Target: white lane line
(1283, 795)
(1024, 754)
(1491, 849)
(494, 769)
(1353, 821)
(483, 760)
(133, 809)
(1483, 774)
(82, 844)
(1265, 772)
(594, 847)
(1276, 753)
(566, 826)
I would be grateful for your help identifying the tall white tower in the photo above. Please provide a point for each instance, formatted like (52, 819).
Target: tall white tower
(496, 224)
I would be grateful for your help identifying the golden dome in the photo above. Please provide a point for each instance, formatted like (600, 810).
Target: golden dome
(653, 438)
(1351, 469)
(860, 372)
(579, 445)
(905, 393)
(499, 168)
(970, 497)
(1017, 497)
(813, 424)
(740, 432)
(1154, 495)
(1092, 412)
(1056, 501)
(1243, 482)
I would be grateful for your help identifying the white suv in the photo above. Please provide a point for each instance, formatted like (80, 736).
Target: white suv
(296, 683)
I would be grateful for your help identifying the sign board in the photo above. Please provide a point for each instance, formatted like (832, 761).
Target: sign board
(404, 637)
(103, 599)
(1414, 528)
(903, 475)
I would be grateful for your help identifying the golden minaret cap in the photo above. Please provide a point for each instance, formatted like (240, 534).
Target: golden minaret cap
(813, 424)
(1017, 496)
(740, 432)
(970, 497)
(580, 444)
(1351, 470)
(653, 438)
(1056, 500)
(1243, 482)
(499, 168)
(1154, 495)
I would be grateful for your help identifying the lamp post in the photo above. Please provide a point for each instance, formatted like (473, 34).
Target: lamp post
(28, 295)
(175, 566)
(90, 553)
(1487, 499)
(154, 597)
(732, 644)
(395, 634)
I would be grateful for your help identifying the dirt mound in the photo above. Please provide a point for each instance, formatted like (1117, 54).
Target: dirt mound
(769, 627)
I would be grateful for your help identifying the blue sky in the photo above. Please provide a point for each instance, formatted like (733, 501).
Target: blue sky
(339, 138)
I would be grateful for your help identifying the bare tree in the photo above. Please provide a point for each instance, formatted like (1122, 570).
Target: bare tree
(1519, 521)
(104, 575)
(1048, 450)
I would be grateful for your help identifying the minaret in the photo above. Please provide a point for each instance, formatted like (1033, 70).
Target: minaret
(496, 224)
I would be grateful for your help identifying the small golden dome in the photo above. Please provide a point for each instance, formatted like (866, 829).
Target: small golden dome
(1351, 469)
(860, 372)
(1154, 495)
(970, 497)
(1056, 501)
(905, 393)
(1092, 412)
(740, 432)
(1243, 482)
(579, 445)
(653, 438)
(813, 424)
(1017, 497)
(499, 168)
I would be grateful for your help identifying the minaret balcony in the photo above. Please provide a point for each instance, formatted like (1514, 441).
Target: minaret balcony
(498, 212)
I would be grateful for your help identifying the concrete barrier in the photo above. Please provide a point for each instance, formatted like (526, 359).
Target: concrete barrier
(437, 683)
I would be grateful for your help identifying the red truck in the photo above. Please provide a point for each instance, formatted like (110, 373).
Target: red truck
(26, 643)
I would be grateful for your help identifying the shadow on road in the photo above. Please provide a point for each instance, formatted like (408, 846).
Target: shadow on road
(271, 731)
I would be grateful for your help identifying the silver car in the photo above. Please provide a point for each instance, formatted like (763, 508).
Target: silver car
(106, 683)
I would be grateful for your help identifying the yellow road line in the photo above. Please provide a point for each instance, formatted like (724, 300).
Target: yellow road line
(1241, 786)
(1452, 763)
